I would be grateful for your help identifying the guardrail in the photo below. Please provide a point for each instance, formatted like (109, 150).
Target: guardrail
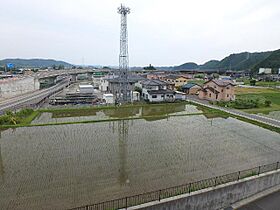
(158, 195)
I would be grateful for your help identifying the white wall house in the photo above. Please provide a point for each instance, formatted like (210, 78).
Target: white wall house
(156, 91)
(104, 85)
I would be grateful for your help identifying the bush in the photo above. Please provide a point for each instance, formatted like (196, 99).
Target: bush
(253, 82)
(10, 118)
(267, 103)
(246, 103)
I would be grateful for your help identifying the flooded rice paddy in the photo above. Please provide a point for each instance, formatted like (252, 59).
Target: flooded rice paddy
(274, 115)
(65, 166)
(115, 113)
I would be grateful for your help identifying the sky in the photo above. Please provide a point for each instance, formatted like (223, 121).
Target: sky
(161, 32)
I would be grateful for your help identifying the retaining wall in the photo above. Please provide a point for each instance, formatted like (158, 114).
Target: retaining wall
(17, 86)
(218, 197)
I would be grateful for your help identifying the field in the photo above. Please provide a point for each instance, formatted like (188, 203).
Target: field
(272, 95)
(65, 166)
(263, 84)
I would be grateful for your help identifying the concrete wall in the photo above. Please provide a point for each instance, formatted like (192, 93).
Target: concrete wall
(219, 197)
(17, 86)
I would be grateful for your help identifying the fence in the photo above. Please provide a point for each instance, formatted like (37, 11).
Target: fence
(179, 190)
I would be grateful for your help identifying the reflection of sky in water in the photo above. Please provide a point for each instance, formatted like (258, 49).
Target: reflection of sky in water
(174, 109)
(60, 167)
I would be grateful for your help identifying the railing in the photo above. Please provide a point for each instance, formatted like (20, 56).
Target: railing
(179, 190)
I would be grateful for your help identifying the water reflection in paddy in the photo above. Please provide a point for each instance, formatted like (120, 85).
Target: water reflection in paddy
(60, 167)
(122, 112)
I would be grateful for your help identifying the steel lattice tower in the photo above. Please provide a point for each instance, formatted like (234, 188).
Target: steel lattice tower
(124, 94)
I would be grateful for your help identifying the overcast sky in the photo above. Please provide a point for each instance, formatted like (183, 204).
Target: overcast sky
(161, 32)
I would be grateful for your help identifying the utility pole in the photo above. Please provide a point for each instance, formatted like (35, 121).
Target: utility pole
(124, 92)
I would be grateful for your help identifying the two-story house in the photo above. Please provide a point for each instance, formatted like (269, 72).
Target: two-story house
(156, 91)
(218, 90)
(177, 80)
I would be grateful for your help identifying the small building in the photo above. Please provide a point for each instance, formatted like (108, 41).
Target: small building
(180, 96)
(217, 90)
(86, 88)
(108, 98)
(265, 71)
(191, 88)
(136, 96)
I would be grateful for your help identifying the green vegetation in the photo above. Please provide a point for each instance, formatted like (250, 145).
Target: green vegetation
(262, 100)
(272, 61)
(150, 67)
(250, 174)
(34, 63)
(199, 82)
(150, 112)
(185, 66)
(22, 117)
(246, 102)
(260, 83)
(239, 61)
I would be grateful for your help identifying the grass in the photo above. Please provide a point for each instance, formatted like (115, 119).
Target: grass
(199, 82)
(272, 95)
(207, 112)
(263, 84)
(242, 91)
(148, 118)
(260, 83)
(226, 115)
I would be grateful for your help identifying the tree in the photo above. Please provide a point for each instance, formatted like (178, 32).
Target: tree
(150, 67)
(267, 103)
(253, 82)
(138, 89)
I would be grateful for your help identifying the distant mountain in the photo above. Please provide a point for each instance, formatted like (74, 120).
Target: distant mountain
(239, 61)
(190, 66)
(272, 61)
(242, 61)
(210, 65)
(34, 63)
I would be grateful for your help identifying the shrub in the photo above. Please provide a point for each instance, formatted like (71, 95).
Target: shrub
(267, 103)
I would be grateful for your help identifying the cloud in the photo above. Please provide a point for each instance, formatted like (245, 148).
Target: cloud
(160, 32)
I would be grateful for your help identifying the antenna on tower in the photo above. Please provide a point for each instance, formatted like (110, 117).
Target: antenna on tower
(123, 92)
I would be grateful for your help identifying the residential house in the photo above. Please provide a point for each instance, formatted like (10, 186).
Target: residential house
(218, 90)
(177, 80)
(191, 88)
(156, 91)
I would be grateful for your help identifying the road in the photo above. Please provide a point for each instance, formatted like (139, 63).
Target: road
(31, 98)
(258, 118)
(271, 202)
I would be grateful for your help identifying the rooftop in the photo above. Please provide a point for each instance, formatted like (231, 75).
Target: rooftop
(189, 85)
(151, 92)
(221, 83)
(153, 82)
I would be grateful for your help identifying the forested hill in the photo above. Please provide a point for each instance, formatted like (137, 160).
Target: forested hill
(239, 61)
(272, 61)
(34, 63)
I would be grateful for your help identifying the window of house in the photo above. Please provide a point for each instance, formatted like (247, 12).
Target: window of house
(154, 96)
(227, 95)
(209, 94)
(215, 86)
(162, 96)
(227, 88)
(222, 90)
